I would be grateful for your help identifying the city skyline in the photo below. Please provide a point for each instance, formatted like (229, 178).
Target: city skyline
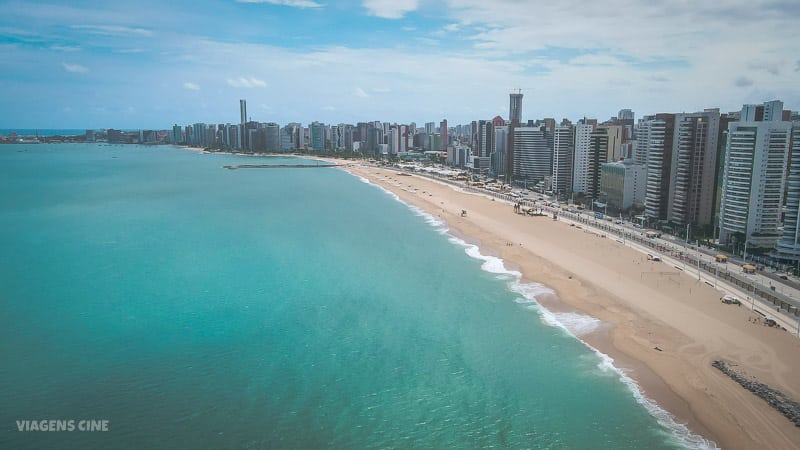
(95, 65)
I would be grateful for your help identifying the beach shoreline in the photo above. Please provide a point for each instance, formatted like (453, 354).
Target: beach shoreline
(659, 327)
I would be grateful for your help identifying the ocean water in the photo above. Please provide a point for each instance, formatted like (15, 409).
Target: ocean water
(196, 307)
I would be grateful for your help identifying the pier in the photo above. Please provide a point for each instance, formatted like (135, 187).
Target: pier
(279, 166)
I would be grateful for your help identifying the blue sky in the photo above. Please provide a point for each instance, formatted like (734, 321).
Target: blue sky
(149, 64)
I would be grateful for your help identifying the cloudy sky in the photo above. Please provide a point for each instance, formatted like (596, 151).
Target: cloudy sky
(149, 64)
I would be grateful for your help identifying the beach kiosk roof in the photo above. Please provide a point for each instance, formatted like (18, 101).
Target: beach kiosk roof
(749, 268)
(721, 258)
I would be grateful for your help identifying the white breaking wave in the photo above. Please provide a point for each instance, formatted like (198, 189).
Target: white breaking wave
(576, 323)
(680, 432)
(438, 224)
(573, 324)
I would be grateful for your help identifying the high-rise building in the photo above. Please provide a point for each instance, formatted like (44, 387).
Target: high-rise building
(442, 133)
(755, 160)
(242, 127)
(398, 139)
(598, 155)
(176, 137)
(499, 157)
(582, 156)
(532, 156)
(198, 135)
(563, 149)
(625, 114)
(272, 137)
(788, 247)
(514, 120)
(654, 136)
(694, 159)
(515, 108)
(616, 136)
(233, 134)
(484, 139)
(622, 184)
(317, 136)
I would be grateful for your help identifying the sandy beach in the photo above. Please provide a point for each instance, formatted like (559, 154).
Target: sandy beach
(663, 327)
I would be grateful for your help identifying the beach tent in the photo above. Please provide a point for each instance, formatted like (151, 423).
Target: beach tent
(749, 268)
(721, 258)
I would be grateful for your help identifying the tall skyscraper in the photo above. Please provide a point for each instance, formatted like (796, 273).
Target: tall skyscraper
(694, 158)
(242, 127)
(515, 108)
(563, 148)
(272, 137)
(532, 156)
(654, 136)
(789, 244)
(176, 137)
(581, 159)
(755, 160)
(515, 120)
(317, 136)
(442, 133)
(598, 155)
(485, 134)
(616, 135)
(499, 157)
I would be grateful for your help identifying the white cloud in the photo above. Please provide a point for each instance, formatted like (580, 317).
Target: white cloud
(246, 82)
(452, 27)
(191, 86)
(663, 59)
(75, 68)
(390, 9)
(293, 3)
(427, 41)
(360, 93)
(595, 60)
(329, 108)
(114, 30)
(65, 48)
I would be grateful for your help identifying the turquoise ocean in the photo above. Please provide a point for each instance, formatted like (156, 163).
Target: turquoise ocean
(192, 306)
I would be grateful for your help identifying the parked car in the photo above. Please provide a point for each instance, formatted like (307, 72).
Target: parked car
(728, 299)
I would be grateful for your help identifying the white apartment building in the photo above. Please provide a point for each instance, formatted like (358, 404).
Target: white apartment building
(753, 178)
(582, 157)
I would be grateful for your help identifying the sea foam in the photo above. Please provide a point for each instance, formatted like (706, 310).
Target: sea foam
(573, 324)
